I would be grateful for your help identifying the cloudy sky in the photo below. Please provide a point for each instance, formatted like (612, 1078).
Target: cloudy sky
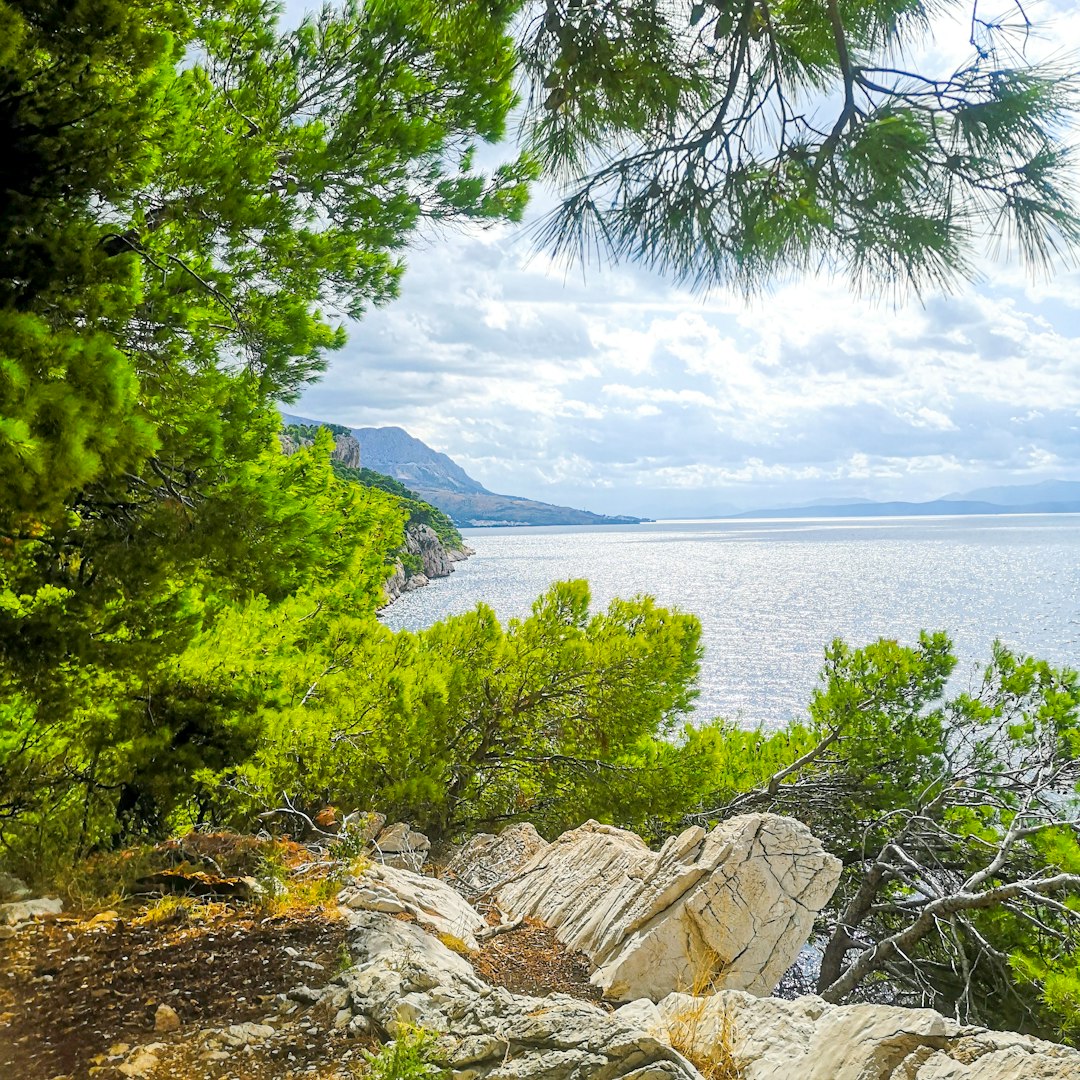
(621, 393)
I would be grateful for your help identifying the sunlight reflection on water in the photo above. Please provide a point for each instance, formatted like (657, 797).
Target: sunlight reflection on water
(771, 595)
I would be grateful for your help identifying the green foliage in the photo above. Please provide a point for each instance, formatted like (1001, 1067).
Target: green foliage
(410, 1056)
(189, 193)
(733, 142)
(420, 512)
(556, 717)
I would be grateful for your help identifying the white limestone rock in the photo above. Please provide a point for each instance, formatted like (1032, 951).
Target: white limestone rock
(25, 910)
(487, 861)
(13, 889)
(725, 909)
(402, 846)
(809, 1039)
(428, 900)
(403, 977)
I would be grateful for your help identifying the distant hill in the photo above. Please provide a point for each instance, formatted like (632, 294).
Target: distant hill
(439, 480)
(946, 507)
(1049, 491)
(393, 451)
(940, 508)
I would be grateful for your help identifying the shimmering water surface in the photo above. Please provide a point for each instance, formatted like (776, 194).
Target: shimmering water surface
(772, 594)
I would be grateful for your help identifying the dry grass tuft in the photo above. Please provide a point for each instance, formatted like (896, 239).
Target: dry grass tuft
(715, 1056)
(179, 909)
(454, 943)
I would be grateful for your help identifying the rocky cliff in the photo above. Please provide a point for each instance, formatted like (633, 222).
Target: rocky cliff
(428, 558)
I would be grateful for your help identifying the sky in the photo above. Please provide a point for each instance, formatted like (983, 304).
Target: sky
(618, 392)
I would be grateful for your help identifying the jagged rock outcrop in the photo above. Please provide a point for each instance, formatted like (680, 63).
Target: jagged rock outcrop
(402, 977)
(808, 1039)
(347, 451)
(487, 861)
(13, 888)
(22, 911)
(432, 903)
(401, 845)
(437, 561)
(730, 908)
(346, 448)
(421, 541)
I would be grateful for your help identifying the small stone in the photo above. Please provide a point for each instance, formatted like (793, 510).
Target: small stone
(24, 910)
(166, 1019)
(142, 1064)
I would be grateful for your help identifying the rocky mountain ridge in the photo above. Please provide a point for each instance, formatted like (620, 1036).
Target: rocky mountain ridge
(439, 480)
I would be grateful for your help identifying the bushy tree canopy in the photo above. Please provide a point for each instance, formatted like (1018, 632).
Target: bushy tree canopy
(191, 200)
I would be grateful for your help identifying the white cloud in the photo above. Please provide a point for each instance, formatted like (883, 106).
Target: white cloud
(623, 393)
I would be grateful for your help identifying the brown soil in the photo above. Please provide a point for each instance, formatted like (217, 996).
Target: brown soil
(530, 960)
(78, 995)
(70, 990)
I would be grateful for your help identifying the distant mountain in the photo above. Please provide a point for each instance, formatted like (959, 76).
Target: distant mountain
(946, 507)
(1049, 491)
(393, 451)
(940, 508)
(439, 480)
(836, 502)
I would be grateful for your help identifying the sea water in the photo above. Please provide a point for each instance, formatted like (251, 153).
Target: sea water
(772, 594)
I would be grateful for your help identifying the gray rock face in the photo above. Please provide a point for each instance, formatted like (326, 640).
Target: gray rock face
(437, 561)
(809, 1039)
(12, 889)
(346, 448)
(422, 541)
(431, 902)
(347, 451)
(401, 845)
(25, 910)
(726, 909)
(403, 977)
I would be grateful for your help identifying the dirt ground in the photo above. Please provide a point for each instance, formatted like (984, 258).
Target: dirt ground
(78, 996)
(530, 960)
(72, 990)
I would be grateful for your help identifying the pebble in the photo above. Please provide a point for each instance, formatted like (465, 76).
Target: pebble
(166, 1019)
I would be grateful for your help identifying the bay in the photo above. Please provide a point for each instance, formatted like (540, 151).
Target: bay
(772, 594)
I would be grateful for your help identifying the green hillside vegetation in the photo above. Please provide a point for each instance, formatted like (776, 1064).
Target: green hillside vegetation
(418, 512)
(188, 633)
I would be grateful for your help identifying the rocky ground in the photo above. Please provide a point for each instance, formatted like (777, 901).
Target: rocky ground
(78, 995)
(494, 961)
(208, 990)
